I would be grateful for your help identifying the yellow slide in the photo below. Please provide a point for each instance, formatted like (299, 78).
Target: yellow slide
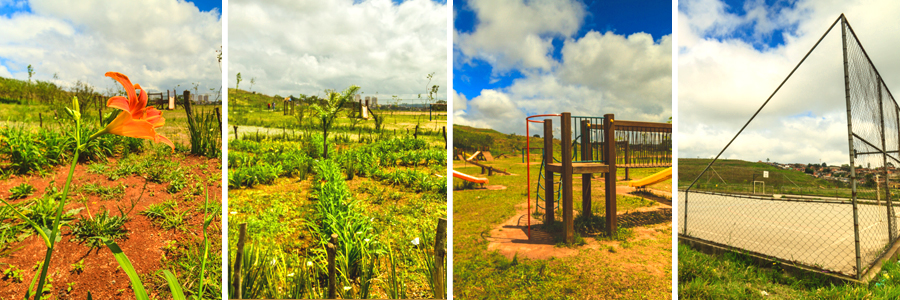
(658, 177)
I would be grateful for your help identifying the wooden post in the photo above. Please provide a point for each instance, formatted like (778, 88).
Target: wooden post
(239, 259)
(627, 159)
(609, 131)
(219, 118)
(586, 178)
(548, 176)
(332, 249)
(416, 132)
(566, 159)
(41, 120)
(235, 133)
(187, 102)
(440, 251)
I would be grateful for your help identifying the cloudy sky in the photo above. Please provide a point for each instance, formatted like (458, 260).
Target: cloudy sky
(732, 56)
(515, 58)
(159, 44)
(305, 47)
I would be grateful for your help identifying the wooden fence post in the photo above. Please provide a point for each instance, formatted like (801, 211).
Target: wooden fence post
(219, 117)
(440, 251)
(239, 259)
(235, 133)
(609, 130)
(332, 248)
(586, 178)
(566, 174)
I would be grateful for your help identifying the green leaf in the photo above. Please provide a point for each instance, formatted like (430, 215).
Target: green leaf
(136, 284)
(89, 296)
(174, 286)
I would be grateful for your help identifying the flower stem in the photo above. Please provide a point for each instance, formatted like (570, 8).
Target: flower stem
(55, 231)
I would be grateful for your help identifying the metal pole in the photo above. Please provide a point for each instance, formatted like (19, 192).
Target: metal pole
(852, 151)
(549, 210)
(767, 101)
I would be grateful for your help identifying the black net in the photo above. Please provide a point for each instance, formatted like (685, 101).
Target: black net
(836, 219)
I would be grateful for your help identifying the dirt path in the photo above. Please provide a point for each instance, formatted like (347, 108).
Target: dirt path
(511, 237)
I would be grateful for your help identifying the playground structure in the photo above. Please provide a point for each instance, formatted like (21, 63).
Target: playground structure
(486, 156)
(606, 144)
(470, 178)
(848, 234)
(655, 178)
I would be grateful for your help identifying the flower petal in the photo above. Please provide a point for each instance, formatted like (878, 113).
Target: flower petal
(118, 102)
(126, 83)
(142, 98)
(164, 140)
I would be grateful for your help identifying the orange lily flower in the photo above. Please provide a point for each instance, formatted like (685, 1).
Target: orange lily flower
(136, 120)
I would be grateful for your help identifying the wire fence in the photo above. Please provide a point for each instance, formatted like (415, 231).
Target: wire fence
(835, 219)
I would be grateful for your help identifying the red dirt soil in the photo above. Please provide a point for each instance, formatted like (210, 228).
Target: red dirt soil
(143, 244)
(511, 237)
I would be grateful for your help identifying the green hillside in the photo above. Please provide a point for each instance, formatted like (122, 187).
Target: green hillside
(469, 139)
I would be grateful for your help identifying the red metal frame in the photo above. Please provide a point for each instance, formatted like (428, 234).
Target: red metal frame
(528, 160)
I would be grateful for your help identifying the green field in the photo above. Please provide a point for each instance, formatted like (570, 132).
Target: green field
(735, 276)
(249, 110)
(380, 192)
(601, 268)
(737, 176)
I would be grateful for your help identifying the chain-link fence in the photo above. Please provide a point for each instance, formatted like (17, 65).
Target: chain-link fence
(836, 219)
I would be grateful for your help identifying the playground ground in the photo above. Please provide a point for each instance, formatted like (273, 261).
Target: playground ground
(815, 234)
(493, 257)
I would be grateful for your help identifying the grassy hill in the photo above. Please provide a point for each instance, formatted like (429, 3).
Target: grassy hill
(741, 174)
(245, 98)
(470, 138)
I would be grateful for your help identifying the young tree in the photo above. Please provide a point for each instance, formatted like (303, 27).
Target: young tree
(238, 85)
(252, 82)
(30, 73)
(328, 109)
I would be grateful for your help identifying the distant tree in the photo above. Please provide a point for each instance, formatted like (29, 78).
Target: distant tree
(767, 159)
(252, 82)
(328, 110)
(845, 168)
(30, 73)
(238, 85)
(824, 165)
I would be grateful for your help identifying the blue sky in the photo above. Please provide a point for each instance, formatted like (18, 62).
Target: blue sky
(514, 58)
(620, 17)
(23, 7)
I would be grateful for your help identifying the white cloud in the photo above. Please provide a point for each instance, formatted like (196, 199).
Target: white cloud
(159, 44)
(598, 73)
(723, 78)
(491, 109)
(518, 34)
(305, 47)
(459, 101)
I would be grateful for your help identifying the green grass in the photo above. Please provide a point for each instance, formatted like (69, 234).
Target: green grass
(735, 276)
(21, 191)
(104, 192)
(90, 230)
(377, 197)
(603, 273)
